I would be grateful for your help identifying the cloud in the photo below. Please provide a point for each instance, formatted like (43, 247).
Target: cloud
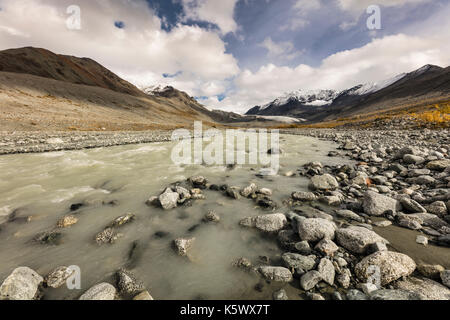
(301, 10)
(359, 6)
(378, 60)
(218, 12)
(139, 51)
(281, 50)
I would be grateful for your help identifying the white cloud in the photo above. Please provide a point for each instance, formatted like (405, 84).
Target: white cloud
(301, 9)
(219, 12)
(280, 50)
(142, 51)
(359, 6)
(378, 60)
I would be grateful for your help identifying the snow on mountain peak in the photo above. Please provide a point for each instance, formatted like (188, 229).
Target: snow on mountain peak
(373, 87)
(306, 97)
(155, 89)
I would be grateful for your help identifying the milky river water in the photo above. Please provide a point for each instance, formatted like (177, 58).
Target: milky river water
(41, 188)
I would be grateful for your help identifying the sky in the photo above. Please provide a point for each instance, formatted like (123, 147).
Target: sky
(235, 54)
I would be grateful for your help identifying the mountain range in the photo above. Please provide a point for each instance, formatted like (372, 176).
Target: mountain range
(429, 83)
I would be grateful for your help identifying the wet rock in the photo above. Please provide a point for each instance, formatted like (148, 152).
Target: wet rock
(278, 274)
(52, 237)
(127, 283)
(396, 295)
(357, 239)
(287, 239)
(22, 284)
(430, 271)
(445, 277)
(67, 221)
(310, 279)
(430, 220)
(411, 206)
(58, 277)
(324, 182)
(327, 271)
(242, 263)
(429, 289)
(303, 247)
(356, 295)
(410, 222)
(106, 236)
(392, 266)
(144, 295)
(375, 204)
(280, 295)
(316, 229)
(211, 216)
(233, 192)
(122, 220)
(102, 291)
(327, 247)
(248, 191)
(184, 194)
(169, 199)
(422, 240)
(198, 181)
(298, 262)
(182, 245)
(347, 214)
(153, 201)
(304, 196)
(271, 222)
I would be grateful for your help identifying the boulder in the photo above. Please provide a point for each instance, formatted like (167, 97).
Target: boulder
(182, 245)
(298, 262)
(392, 266)
(58, 277)
(327, 271)
(357, 239)
(316, 229)
(375, 204)
(127, 283)
(271, 222)
(169, 199)
(411, 206)
(310, 279)
(327, 247)
(22, 284)
(348, 214)
(429, 289)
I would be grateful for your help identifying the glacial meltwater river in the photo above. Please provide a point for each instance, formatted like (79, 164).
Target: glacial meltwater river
(42, 187)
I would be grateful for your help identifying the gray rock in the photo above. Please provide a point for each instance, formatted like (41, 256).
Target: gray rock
(198, 181)
(316, 229)
(324, 182)
(375, 204)
(182, 245)
(310, 279)
(392, 266)
(278, 274)
(303, 247)
(438, 208)
(184, 194)
(422, 240)
(127, 283)
(396, 295)
(304, 196)
(429, 289)
(22, 284)
(327, 247)
(169, 199)
(411, 206)
(211, 216)
(102, 291)
(344, 278)
(357, 239)
(297, 261)
(356, 295)
(347, 214)
(106, 236)
(412, 159)
(280, 295)
(248, 191)
(445, 277)
(122, 220)
(58, 277)
(327, 271)
(271, 222)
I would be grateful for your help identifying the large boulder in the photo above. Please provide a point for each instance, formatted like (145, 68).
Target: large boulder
(22, 284)
(278, 274)
(392, 266)
(101, 291)
(324, 182)
(316, 229)
(357, 239)
(376, 204)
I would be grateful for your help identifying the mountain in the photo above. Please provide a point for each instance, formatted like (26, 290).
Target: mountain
(429, 83)
(41, 90)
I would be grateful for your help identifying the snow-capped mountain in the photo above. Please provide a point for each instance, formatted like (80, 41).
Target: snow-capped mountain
(427, 81)
(156, 89)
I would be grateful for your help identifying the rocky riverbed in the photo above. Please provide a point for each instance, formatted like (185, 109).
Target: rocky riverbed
(375, 226)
